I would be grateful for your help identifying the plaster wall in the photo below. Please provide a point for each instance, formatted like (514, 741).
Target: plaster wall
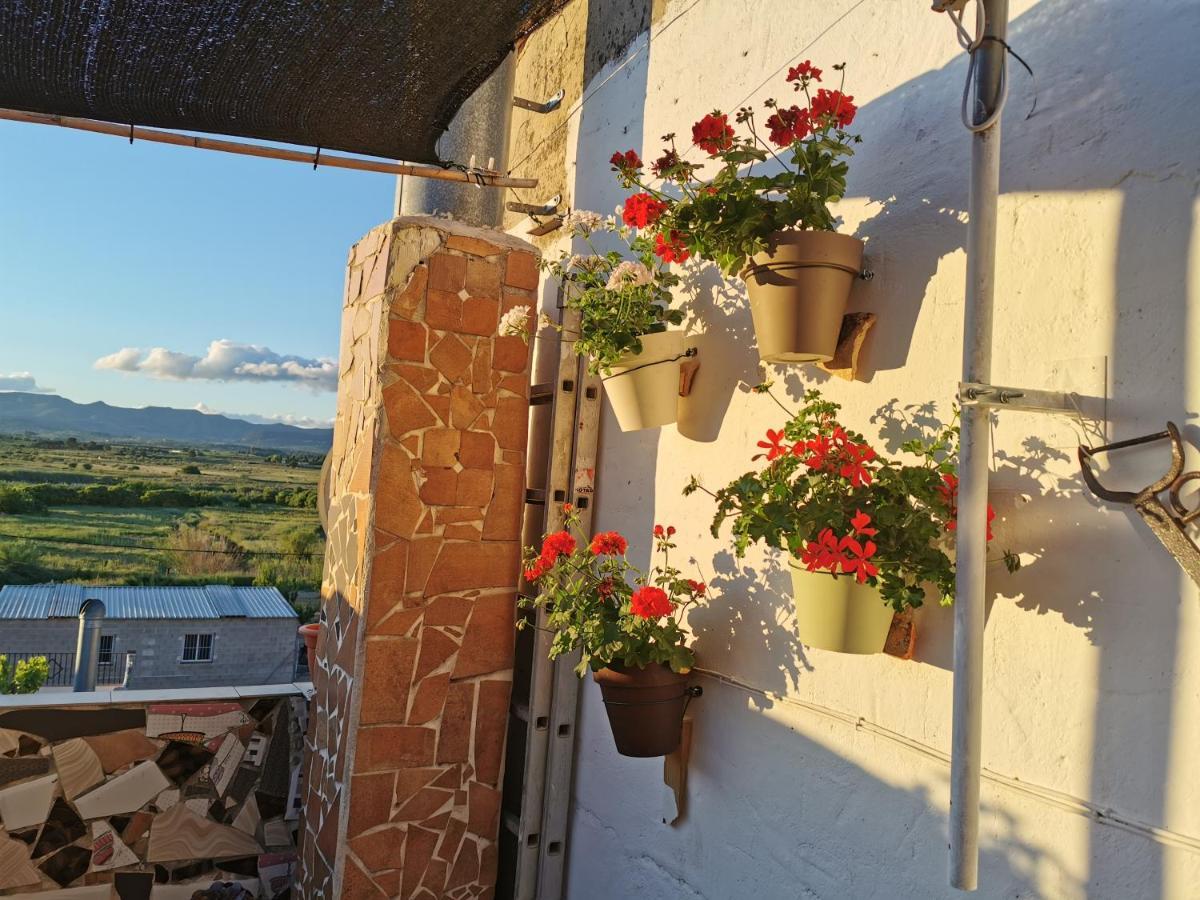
(819, 775)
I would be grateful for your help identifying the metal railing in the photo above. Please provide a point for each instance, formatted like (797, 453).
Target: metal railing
(109, 671)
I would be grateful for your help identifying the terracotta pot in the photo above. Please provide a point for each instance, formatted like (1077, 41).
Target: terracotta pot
(798, 290)
(835, 612)
(310, 633)
(643, 388)
(645, 707)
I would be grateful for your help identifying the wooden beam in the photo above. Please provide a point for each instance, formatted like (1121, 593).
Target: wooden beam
(135, 132)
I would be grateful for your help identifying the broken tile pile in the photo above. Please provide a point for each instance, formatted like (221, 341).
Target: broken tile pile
(150, 802)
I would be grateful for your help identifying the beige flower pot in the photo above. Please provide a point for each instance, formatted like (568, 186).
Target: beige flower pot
(835, 612)
(643, 388)
(798, 290)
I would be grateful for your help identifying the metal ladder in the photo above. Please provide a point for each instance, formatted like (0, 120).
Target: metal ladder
(535, 810)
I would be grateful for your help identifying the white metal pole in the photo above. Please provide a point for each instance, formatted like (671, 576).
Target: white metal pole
(971, 542)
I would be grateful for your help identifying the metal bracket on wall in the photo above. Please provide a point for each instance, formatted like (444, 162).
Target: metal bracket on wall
(997, 397)
(537, 212)
(548, 208)
(548, 105)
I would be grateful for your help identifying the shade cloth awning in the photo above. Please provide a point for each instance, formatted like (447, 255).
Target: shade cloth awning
(381, 78)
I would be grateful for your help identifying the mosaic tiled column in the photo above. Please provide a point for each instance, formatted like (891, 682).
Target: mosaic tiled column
(426, 496)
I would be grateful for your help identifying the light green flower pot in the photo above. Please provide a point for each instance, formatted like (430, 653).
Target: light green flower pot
(643, 388)
(835, 612)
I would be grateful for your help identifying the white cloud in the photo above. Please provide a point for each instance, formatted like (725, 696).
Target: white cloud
(274, 419)
(226, 361)
(22, 381)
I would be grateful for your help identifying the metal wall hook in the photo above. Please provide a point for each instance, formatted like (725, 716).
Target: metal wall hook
(549, 105)
(1169, 523)
(547, 208)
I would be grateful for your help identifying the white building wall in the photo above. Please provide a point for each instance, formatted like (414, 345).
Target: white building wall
(819, 775)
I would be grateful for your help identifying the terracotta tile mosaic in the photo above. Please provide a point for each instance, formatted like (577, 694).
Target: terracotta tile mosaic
(421, 567)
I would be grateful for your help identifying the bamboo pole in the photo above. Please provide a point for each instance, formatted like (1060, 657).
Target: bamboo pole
(154, 135)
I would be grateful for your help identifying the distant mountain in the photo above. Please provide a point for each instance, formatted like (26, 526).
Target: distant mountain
(49, 414)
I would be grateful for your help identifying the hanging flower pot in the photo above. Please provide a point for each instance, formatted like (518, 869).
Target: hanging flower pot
(645, 707)
(773, 228)
(643, 388)
(798, 290)
(867, 536)
(625, 625)
(835, 612)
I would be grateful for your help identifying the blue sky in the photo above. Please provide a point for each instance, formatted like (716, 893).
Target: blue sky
(108, 248)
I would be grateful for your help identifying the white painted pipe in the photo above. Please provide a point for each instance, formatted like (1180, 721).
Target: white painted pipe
(971, 540)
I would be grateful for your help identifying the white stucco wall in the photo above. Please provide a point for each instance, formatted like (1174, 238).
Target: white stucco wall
(835, 782)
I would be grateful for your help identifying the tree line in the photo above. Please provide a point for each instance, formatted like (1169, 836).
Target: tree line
(36, 498)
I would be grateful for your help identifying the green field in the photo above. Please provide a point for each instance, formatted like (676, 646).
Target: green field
(135, 513)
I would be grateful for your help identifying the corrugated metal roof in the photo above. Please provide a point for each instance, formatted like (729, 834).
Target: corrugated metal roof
(65, 601)
(44, 601)
(226, 600)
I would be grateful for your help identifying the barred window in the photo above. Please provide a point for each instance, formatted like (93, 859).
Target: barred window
(197, 648)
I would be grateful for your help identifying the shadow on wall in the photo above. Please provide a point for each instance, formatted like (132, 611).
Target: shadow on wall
(826, 827)
(1109, 118)
(615, 29)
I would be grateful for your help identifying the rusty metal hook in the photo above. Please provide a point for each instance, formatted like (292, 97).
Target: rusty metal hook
(1087, 454)
(1169, 523)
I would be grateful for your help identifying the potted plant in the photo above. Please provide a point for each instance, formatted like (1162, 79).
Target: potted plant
(867, 535)
(625, 624)
(310, 633)
(774, 228)
(624, 306)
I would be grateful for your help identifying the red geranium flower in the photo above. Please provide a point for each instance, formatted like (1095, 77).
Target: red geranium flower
(667, 161)
(605, 588)
(823, 553)
(660, 532)
(949, 494)
(697, 587)
(788, 125)
(537, 570)
(649, 602)
(627, 160)
(854, 468)
(806, 71)
(834, 106)
(860, 522)
(713, 133)
(557, 544)
(642, 210)
(858, 560)
(818, 449)
(609, 543)
(773, 445)
(671, 249)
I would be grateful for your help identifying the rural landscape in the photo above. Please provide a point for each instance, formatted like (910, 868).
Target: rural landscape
(97, 506)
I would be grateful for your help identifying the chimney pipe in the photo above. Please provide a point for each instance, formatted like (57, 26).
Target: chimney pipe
(87, 649)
